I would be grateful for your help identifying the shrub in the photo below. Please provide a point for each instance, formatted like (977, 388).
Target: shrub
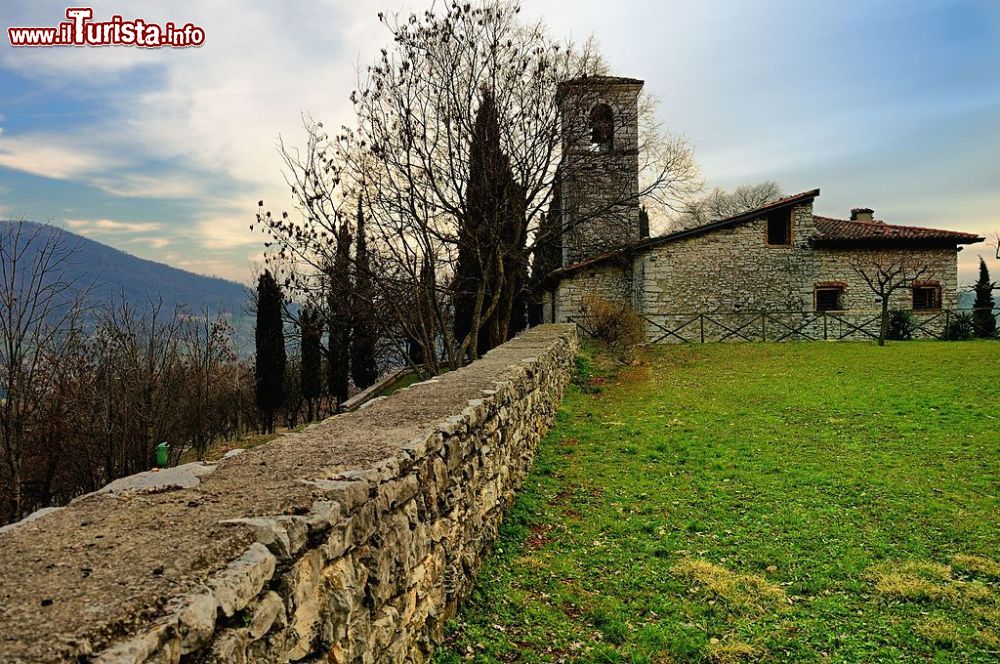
(960, 328)
(900, 325)
(613, 323)
(584, 373)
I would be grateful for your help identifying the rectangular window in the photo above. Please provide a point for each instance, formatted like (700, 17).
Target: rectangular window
(779, 228)
(926, 297)
(829, 299)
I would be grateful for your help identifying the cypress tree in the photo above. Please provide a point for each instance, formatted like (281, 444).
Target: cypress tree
(311, 373)
(424, 290)
(983, 317)
(339, 299)
(547, 256)
(363, 368)
(643, 223)
(522, 300)
(270, 342)
(492, 234)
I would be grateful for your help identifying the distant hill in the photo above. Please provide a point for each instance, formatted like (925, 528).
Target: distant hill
(110, 273)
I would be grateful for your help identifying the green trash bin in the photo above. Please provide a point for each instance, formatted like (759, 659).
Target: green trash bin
(162, 455)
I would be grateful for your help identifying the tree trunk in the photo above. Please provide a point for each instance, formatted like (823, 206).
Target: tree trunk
(15, 477)
(884, 325)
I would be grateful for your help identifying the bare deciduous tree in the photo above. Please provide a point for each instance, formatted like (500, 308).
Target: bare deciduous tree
(885, 275)
(408, 159)
(39, 314)
(720, 204)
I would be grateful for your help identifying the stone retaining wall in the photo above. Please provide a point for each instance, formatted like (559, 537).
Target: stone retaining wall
(372, 569)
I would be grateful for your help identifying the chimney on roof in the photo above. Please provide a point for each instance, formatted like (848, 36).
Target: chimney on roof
(862, 214)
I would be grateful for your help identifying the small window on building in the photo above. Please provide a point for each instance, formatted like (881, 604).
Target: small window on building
(926, 296)
(602, 127)
(779, 228)
(829, 298)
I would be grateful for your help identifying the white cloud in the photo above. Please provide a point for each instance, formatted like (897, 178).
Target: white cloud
(151, 242)
(68, 157)
(226, 225)
(52, 156)
(210, 120)
(99, 226)
(136, 185)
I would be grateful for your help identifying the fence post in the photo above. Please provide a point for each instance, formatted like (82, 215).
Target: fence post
(947, 324)
(763, 327)
(824, 326)
(701, 322)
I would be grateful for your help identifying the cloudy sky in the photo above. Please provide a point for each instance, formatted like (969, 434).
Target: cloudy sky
(889, 104)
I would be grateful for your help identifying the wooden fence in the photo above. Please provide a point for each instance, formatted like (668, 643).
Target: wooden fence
(777, 326)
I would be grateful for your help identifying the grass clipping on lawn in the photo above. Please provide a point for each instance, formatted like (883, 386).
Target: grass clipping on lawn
(731, 652)
(742, 592)
(916, 581)
(922, 581)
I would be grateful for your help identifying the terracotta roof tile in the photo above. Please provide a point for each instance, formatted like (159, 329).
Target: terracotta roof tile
(832, 231)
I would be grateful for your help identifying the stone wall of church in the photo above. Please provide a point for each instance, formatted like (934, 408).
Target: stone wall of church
(613, 282)
(601, 206)
(732, 271)
(941, 264)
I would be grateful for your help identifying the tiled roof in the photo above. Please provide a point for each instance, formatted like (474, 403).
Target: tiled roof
(842, 231)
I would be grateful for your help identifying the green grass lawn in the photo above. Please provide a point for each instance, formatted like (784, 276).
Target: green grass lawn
(744, 502)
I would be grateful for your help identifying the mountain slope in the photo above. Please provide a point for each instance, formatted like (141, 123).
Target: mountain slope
(109, 273)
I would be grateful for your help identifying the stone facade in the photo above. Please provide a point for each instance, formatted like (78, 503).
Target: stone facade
(731, 271)
(372, 570)
(612, 282)
(600, 201)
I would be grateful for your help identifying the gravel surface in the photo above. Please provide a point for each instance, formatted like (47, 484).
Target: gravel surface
(76, 579)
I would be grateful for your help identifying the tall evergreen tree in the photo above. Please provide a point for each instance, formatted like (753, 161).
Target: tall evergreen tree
(491, 238)
(339, 305)
(312, 353)
(422, 328)
(521, 302)
(270, 342)
(547, 256)
(643, 222)
(983, 316)
(363, 368)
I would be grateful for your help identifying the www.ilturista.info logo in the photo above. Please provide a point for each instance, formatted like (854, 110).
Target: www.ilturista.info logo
(80, 30)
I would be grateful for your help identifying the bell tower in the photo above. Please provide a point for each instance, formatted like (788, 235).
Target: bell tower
(600, 167)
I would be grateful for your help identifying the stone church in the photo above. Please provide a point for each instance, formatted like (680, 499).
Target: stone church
(781, 257)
